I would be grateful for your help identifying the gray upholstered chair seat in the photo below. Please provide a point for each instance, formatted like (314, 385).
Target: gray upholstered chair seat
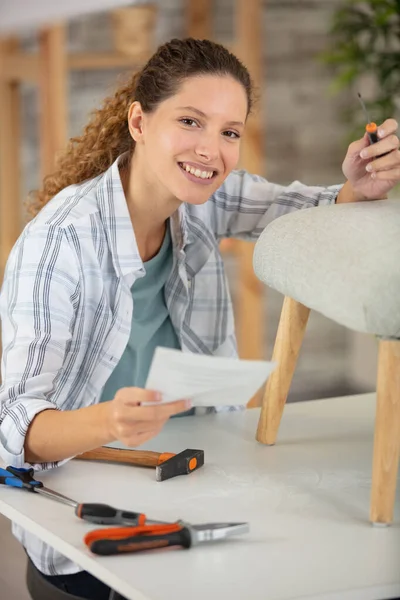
(341, 260)
(344, 262)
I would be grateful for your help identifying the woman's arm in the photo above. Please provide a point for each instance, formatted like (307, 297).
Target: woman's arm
(245, 204)
(38, 302)
(55, 435)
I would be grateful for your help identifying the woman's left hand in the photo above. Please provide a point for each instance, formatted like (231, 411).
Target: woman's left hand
(370, 174)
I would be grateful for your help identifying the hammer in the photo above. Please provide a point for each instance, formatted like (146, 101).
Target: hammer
(167, 465)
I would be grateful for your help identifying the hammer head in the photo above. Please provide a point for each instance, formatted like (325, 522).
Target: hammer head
(180, 464)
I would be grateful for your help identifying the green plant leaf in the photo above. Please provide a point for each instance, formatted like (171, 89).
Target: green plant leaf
(364, 39)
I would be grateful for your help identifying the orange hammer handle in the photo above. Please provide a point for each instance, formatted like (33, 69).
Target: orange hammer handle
(143, 458)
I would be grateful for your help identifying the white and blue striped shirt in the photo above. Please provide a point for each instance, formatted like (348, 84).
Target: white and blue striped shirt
(66, 302)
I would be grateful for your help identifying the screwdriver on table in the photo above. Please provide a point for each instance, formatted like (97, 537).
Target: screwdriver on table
(139, 532)
(101, 514)
(135, 532)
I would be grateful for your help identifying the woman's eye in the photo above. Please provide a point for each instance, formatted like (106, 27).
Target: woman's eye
(189, 122)
(231, 134)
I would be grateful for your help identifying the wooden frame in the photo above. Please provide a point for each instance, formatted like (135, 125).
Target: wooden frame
(49, 69)
(251, 329)
(10, 176)
(52, 96)
(247, 46)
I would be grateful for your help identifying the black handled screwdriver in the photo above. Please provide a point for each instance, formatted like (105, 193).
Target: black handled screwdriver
(101, 514)
(371, 128)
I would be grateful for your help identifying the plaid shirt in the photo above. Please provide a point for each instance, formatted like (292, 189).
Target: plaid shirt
(66, 304)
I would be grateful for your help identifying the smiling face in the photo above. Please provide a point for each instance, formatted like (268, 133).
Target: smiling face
(190, 143)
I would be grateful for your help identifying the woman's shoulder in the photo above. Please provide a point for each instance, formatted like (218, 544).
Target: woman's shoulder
(73, 205)
(73, 213)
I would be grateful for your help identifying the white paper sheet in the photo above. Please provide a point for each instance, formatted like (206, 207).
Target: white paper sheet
(206, 380)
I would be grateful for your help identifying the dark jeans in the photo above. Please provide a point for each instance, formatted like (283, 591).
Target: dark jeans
(78, 585)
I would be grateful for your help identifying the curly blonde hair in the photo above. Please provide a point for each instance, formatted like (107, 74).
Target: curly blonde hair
(107, 135)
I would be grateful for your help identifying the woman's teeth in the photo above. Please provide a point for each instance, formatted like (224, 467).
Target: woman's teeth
(197, 172)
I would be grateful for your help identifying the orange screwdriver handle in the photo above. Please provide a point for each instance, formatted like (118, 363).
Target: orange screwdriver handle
(372, 132)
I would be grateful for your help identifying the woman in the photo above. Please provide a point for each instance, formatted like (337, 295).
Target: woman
(123, 256)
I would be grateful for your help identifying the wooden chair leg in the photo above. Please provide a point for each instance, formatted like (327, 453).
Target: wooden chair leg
(291, 329)
(387, 433)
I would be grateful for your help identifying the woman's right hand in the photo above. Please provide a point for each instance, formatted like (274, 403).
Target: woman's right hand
(133, 424)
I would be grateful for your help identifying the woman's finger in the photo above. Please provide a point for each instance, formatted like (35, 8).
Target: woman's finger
(135, 396)
(385, 145)
(140, 428)
(392, 174)
(387, 128)
(137, 439)
(390, 161)
(158, 412)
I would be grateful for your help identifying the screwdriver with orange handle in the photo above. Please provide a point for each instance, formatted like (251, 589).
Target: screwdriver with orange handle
(371, 128)
(135, 532)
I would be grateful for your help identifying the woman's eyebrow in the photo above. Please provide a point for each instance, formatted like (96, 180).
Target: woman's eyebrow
(201, 114)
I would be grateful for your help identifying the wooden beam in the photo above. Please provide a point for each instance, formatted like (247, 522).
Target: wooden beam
(199, 18)
(25, 67)
(52, 95)
(251, 322)
(10, 163)
(133, 29)
(94, 61)
(21, 66)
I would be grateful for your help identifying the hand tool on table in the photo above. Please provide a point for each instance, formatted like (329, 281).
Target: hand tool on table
(100, 514)
(120, 540)
(139, 532)
(167, 465)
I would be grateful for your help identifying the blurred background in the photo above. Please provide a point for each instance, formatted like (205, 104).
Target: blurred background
(309, 59)
(58, 60)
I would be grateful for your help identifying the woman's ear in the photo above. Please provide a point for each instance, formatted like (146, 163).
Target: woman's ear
(135, 120)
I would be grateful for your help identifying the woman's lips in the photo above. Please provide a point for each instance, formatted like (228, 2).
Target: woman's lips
(195, 179)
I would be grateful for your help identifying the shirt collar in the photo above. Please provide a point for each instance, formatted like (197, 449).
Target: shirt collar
(118, 225)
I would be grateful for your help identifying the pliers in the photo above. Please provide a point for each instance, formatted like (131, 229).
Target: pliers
(122, 540)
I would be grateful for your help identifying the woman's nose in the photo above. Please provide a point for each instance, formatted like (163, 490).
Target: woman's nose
(208, 149)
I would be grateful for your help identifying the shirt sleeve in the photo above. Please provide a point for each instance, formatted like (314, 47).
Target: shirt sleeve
(245, 204)
(37, 305)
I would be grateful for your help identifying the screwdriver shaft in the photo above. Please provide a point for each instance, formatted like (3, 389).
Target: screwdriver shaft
(56, 496)
(364, 107)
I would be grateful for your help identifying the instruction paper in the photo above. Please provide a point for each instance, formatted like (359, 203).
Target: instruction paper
(206, 380)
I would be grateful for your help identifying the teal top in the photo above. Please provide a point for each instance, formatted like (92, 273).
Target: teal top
(151, 324)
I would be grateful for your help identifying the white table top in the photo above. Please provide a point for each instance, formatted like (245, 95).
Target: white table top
(307, 501)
